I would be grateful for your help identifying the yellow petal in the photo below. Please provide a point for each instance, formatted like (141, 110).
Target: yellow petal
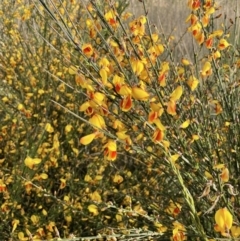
(15, 223)
(140, 94)
(137, 66)
(142, 19)
(111, 145)
(44, 176)
(208, 175)
(34, 219)
(206, 66)
(31, 162)
(174, 157)
(87, 178)
(217, 33)
(211, 10)
(87, 139)
(117, 179)
(235, 231)
(195, 137)
(171, 107)
(84, 106)
(219, 166)
(192, 83)
(72, 70)
(103, 74)
(122, 135)
(125, 90)
(68, 128)
(185, 62)
(93, 209)
(223, 43)
(49, 128)
(225, 175)
(224, 218)
(97, 121)
(176, 94)
(158, 123)
(21, 236)
(185, 124)
(154, 37)
(119, 217)
(98, 98)
(95, 196)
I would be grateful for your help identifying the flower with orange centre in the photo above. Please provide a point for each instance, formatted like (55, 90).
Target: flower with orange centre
(163, 74)
(209, 42)
(156, 111)
(223, 44)
(3, 187)
(216, 54)
(194, 4)
(178, 232)
(205, 20)
(208, 4)
(200, 38)
(192, 18)
(138, 65)
(158, 135)
(155, 51)
(171, 107)
(110, 150)
(197, 32)
(118, 81)
(174, 209)
(62, 183)
(162, 78)
(111, 17)
(192, 82)
(137, 26)
(153, 115)
(87, 49)
(216, 107)
(224, 220)
(207, 69)
(126, 103)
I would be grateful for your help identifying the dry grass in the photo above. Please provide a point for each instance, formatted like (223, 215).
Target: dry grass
(168, 17)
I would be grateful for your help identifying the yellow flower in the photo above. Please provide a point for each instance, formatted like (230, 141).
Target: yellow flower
(235, 231)
(87, 50)
(31, 162)
(225, 175)
(192, 83)
(140, 94)
(207, 69)
(176, 94)
(223, 44)
(93, 209)
(110, 150)
(223, 220)
(85, 140)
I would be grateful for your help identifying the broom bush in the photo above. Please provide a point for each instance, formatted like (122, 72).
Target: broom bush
(106, 134)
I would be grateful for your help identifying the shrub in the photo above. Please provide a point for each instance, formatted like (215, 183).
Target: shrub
(106, 135)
